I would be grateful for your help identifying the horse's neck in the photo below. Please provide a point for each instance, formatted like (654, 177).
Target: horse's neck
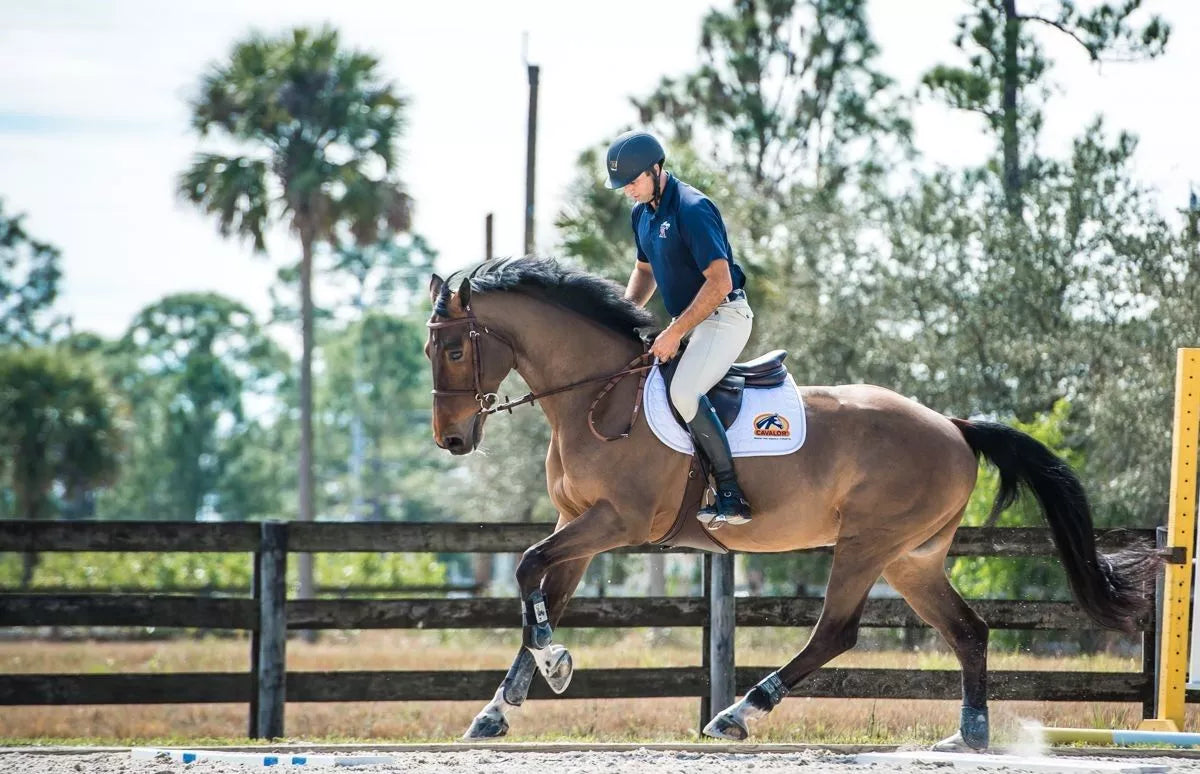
(555, 348)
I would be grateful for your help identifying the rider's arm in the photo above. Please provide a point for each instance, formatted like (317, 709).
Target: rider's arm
(718, 283)
(641, 284)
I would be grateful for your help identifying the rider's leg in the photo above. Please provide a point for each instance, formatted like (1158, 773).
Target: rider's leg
(713, 346)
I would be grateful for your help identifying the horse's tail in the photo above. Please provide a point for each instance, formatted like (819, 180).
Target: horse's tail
(1115, 590)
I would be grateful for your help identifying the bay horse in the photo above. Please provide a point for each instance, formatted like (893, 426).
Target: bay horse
(881, 478)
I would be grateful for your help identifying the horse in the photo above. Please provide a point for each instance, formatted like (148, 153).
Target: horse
(880, 478)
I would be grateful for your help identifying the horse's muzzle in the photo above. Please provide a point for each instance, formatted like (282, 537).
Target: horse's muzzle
(455, 444)
(460, 441)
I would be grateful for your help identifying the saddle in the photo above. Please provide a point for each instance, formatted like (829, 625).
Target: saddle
(726, 395)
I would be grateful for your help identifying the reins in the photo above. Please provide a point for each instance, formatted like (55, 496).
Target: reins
(487, 401)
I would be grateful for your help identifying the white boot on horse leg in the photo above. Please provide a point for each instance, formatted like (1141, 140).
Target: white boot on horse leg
(733, 722)
(555, 663)
(553, 660)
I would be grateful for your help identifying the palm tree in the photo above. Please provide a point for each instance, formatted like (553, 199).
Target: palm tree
(318, 128)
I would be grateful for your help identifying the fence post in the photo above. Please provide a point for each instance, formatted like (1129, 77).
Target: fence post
(722, 688)
(1152, 642)
(705, 641)
(269, 660)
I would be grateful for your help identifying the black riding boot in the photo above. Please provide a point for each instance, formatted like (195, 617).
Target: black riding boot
(709, 436)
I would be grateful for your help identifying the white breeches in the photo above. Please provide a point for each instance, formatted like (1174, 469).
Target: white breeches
(713, 346)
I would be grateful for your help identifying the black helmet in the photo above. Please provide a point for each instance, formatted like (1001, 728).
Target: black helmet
(630, 155)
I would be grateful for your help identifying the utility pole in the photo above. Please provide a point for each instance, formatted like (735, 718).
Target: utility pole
(530, 145)
(487, 236)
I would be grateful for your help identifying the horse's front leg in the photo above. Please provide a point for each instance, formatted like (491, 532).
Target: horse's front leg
(558, 587)
(547, 576)
(597, 529)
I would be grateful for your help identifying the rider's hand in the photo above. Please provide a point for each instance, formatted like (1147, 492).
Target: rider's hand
(666, 345)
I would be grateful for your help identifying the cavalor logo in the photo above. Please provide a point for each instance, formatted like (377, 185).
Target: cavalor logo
(772, 425)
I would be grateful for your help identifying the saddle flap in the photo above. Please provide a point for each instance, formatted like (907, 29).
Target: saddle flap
(726, 399)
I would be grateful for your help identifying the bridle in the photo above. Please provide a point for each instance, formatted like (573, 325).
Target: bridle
(488, 400)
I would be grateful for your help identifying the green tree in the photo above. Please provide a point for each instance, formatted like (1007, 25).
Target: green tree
(319, 127)
(188, 363)
(1005, 63)
(59, 427)
(786, 93)
(29, 275)
(374, 455)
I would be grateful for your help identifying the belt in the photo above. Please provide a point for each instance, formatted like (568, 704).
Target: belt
(737, 295)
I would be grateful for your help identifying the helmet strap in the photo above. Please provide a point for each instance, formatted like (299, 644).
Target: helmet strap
(656, 174)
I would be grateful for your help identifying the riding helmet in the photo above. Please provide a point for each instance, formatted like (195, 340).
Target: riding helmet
(630, 155)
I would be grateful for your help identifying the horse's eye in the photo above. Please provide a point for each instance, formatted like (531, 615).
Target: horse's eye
(456, 354)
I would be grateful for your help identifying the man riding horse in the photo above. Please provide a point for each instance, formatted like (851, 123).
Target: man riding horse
(683, 249)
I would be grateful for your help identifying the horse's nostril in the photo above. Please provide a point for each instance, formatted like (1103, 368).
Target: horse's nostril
(455, 442)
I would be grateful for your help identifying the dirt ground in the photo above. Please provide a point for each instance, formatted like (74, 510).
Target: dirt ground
(584, 761)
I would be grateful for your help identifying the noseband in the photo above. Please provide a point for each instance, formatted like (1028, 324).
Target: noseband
(487, 400)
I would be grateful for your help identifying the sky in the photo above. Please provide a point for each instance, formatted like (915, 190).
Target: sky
(94, 119)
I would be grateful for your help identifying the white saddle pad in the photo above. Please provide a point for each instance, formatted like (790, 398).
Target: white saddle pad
(771, 421)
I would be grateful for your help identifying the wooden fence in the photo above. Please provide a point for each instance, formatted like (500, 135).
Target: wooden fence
(268, 614)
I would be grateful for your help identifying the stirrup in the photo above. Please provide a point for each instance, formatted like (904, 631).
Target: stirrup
(730, 508)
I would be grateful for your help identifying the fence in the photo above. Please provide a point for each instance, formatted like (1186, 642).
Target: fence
(268, 614)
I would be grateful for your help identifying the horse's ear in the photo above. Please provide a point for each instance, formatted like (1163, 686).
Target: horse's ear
(464, 292)
(435, 287)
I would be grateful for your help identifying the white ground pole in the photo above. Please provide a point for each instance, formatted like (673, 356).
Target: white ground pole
(984, 762)
(941, 761)
(256, 759)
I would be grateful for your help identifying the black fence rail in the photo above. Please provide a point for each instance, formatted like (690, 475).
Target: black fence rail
(268, 614)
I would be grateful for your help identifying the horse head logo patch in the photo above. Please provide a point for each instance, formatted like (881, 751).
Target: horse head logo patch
(772, 425)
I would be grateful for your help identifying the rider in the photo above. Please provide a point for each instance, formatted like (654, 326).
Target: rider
(683, 249)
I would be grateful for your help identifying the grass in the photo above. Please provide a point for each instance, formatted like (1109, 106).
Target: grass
(577, 720)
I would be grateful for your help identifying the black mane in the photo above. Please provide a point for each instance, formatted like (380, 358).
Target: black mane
(596, 298)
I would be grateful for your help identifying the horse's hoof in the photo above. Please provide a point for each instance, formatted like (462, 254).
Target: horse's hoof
(486, 727)
(956, 743)
(559, 668)
(726, 726)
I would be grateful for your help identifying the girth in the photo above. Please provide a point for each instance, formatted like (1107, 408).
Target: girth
(687, 531)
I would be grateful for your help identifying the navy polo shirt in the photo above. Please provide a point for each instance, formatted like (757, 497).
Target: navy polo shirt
(679, 240)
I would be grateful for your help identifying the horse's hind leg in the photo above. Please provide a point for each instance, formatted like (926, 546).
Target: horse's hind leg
(920, 577)
(558, 586)
(856, 566)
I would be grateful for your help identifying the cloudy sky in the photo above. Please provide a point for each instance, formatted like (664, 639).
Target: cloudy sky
(93, 118)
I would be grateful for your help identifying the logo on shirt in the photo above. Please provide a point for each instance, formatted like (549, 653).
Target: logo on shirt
(662, 229)
(772, 425)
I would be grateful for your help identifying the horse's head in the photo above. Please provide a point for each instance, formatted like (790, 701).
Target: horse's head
(469, 362)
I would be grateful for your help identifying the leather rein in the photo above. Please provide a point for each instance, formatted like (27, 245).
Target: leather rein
(488, 400)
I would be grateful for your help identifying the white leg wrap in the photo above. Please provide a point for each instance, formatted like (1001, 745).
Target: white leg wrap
(498, 708)
(744, 712)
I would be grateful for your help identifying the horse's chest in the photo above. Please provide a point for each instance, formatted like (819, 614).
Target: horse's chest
(568, 497)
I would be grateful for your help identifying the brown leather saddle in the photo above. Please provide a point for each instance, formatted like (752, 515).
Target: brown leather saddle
(726, 397)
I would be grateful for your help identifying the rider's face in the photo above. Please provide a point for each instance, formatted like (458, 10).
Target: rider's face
(641, 190)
